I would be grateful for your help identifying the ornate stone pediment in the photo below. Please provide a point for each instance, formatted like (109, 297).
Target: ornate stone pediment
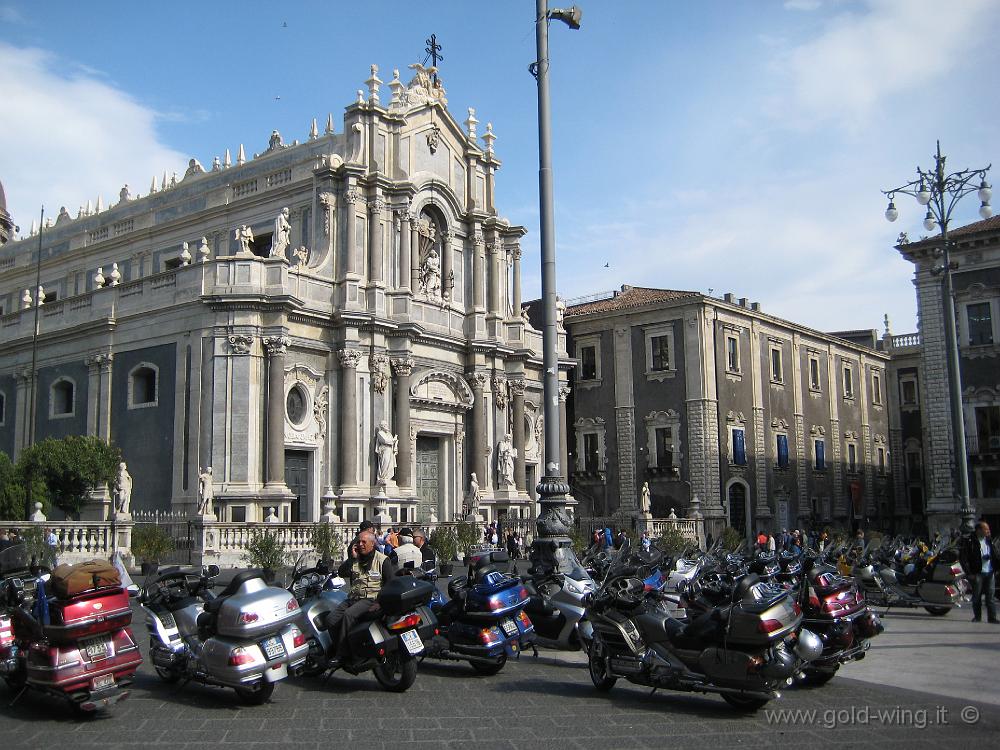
(440, 389)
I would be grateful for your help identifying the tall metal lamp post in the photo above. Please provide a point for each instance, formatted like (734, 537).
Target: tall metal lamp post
(941, 192)
(552, 547)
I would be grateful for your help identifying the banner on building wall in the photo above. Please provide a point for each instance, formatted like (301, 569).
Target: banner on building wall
(857, 498)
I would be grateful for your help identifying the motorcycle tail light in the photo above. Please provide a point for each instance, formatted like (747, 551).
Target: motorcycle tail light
(796, 608)
(240, 656)
(299, 639)
(813, 601)
(247, 618)
(523, 593)
(405, 623)
(525, 620)
(769, 626)
(755, 662)
(292, 605)
(951, 590)
(123, 641)
(490, 635)
(956, 569)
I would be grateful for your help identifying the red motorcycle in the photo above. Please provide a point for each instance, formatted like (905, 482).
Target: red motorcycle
(77, 646)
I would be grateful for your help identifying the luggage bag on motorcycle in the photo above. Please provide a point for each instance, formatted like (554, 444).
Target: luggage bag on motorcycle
(69, 580)
(404, 594)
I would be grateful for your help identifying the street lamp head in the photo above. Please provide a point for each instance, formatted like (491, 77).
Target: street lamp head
(986, 210)
(923, 195)
(984, 191)
(891, 214)
(929, 222)
(570, 16)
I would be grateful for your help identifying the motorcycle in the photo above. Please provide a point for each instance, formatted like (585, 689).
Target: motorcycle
(556, 603)
(835, 609)
(78, 648)
(933, 580)
(482, 620)
(386, 645)
(245, 638)
(743, 648)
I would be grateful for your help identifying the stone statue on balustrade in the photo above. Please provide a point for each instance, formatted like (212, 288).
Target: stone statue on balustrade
(123, 491)
(473, 499)
(206, 492)
(282, 235)
(386, 450)
(244, 236)
(645, 505)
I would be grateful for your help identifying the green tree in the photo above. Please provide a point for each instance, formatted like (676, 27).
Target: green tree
(444, 542)
(731, 539)
(468, 535)
(71, 468)
(12, 491)
(326, 540)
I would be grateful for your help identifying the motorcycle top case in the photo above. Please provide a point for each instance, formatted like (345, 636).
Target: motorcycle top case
(256, 609)
(88, 614)
(70, 580)
(404, 594)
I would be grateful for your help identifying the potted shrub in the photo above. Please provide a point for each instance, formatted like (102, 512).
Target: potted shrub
(444, 542)
(265, 551)
(149, 544)
(467, 535)
(326, 541)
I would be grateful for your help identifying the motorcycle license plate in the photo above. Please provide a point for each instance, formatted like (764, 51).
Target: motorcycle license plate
(509, 627)
(273, 648)
(411, 639)
(96, 649)
(104, 681)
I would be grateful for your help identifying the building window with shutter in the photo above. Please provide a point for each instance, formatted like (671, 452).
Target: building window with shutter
(819, 455)
(980, 319)
(782, 450)
(739, 449)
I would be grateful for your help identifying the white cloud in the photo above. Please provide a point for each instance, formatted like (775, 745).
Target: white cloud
(69, 137)
(862, 58)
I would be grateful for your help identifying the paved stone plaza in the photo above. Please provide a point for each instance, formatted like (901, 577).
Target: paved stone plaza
(535, 703)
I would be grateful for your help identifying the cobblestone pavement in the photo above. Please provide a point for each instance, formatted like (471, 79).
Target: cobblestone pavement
(531, 704)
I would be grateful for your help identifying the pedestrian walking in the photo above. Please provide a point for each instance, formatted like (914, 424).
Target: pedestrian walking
(979, 555)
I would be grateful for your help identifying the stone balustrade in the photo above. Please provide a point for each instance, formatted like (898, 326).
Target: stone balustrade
(79, 541)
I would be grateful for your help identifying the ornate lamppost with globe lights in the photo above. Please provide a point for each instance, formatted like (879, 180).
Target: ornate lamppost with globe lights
(941, 193)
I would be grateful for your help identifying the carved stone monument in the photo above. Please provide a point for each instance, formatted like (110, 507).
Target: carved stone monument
(123, 493)
(282, 235)
(206, 493)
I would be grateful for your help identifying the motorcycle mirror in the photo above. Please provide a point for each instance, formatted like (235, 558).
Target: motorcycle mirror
(212, 571)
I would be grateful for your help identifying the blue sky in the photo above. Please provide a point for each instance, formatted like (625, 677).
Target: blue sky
(725, 146)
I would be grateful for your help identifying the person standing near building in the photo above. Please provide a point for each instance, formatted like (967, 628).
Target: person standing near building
(979, 556)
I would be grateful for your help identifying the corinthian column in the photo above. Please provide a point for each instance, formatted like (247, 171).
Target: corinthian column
(376, 263)
(351, 230)
(479, 442)
(277, 347)
(478, 271)
(404, 249)
(349, 359)
(402, 367)
(517, 415)
(493, 258)
(516, 284)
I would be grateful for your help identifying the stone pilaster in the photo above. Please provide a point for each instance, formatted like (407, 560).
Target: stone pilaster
(403, 367)
(22, 410)
(447, 270)
(277, 348)
(414, 250)
(351, 199)
(99, 401)
(625, 424)
(376, 261)
(349, 359)
(493, 258)
(479, 271)
(404, 249)
(480, 440)
(517, 387)
(763, 510)
(515, 256)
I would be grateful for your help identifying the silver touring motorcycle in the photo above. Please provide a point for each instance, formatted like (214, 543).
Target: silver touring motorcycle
(245, 637)
(743, 647)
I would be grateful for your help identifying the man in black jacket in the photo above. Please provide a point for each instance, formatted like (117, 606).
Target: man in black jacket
(979, 558)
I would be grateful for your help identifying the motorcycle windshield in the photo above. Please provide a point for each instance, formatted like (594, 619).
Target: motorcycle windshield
(570, 566)
(13, 558)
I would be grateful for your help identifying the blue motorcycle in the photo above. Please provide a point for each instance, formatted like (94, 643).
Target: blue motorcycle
(482, 619)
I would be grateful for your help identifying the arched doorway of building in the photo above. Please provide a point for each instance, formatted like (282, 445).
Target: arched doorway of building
(737, 497)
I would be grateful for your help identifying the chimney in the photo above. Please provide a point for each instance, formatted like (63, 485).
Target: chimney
(755, 306)
(743, 301)
(729, 297)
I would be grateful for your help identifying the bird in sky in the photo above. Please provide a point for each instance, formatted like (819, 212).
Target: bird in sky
(284, 24)
(607, 265)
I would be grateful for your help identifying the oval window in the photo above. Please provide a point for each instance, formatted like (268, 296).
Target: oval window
(295, 405)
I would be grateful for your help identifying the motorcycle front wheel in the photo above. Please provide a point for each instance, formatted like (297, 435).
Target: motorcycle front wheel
(938, 611)
(396, 674)
(261, 695)
(599, 668)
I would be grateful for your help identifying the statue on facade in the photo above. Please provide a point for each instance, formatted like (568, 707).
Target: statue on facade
(644, 502)
(244, 236)
(206, 492)
(123, 490)
(430, 273)
(386, 449)
(282, 235)
(275, 141)
(560, 310)
(474, 495)
(506, 453)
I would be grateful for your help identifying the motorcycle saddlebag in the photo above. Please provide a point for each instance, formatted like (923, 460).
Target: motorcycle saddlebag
(404, 594)
(70, 580)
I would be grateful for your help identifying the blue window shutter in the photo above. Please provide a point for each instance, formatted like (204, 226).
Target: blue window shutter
(820, 454)
(783, 450)
(739, 448)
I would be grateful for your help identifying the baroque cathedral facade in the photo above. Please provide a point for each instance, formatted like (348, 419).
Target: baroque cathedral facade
(331, 326)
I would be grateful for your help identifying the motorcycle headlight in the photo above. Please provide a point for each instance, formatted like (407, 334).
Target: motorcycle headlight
(573, 587)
